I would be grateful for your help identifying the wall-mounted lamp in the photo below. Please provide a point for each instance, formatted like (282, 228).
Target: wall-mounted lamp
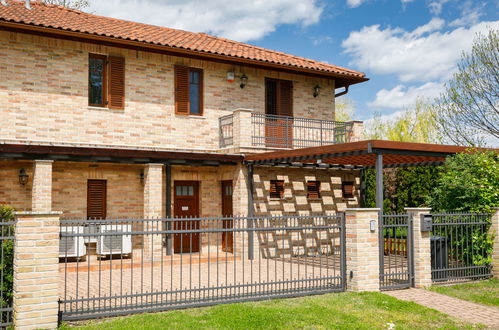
(317, 90)
(142, 177)
(244, 80)
(23, 177)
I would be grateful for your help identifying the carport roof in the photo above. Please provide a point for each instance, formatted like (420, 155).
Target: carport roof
(362, 153)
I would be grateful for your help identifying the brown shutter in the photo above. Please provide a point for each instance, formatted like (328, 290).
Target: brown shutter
(285, 98)
(116, 82)
(276, 188)
(96, 199)
(313, 189)
(347, 187)
(181, 90)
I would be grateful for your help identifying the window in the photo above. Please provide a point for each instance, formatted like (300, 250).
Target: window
(314, 189)
(188, 91)
(276, 189)
(106, 81)
(347, 188)
(96, 199)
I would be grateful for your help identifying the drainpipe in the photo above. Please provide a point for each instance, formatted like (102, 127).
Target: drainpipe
(342, 93)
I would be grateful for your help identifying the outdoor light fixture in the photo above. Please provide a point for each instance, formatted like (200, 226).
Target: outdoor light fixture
(317, 90)
(23, 177)
(244, 80)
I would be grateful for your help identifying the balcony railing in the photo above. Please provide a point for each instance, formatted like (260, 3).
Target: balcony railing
(281, 132)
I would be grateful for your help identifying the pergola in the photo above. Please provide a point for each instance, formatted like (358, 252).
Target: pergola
(367, 154)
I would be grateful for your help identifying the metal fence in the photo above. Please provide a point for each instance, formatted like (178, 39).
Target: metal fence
(461, 247)
(396, 251)
(6, 272)
(292, 132)
(123, 266)
(226, 126)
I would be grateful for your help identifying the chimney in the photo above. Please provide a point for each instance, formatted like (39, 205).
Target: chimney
(3, 2)
(28, 4)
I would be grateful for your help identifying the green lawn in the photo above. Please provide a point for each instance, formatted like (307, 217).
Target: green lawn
(482, 292)
(338, 310)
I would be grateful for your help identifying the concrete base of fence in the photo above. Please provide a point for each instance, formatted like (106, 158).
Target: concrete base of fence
(362, 249)
(494, 230)
(36, 270)
(422, 248)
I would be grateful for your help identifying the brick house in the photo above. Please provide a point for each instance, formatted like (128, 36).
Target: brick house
(120, 119)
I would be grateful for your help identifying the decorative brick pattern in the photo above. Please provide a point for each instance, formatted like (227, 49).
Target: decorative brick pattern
(494, 230)
(36, 270)
(42, 186)
(422, 248)
(362, 250)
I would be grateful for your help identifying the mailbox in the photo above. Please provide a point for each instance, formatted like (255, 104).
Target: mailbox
(426, 222)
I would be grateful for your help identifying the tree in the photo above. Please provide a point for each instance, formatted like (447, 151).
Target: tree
(72, 4)
(344, 109)
(468, 110)
(7, 258)
(469, 183)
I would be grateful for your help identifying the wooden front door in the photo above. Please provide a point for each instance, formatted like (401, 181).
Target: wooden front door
(279, 108)
(186, 204)
(227, 237)
(96, 199)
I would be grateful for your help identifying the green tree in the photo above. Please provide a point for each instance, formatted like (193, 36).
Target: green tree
(468, 110)
(468, 183)
(6, 265)
(72, 4)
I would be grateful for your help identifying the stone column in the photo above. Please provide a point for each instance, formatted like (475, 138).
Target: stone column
(36, 270)
(41, 196)
(494, 230)
(153, 200)
(422, 248)
(362, 249)
(242, 128)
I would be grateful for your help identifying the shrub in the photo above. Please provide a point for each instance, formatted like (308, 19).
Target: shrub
(7, 255)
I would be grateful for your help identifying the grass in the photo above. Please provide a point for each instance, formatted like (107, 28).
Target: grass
(482, 292)
(368, 310)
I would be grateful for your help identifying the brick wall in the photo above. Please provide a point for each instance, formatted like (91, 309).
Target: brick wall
(44, 96)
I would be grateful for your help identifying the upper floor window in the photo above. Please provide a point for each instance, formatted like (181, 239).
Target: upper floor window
(314, 189)
(188, 90)
(106, 81)
(276, 189)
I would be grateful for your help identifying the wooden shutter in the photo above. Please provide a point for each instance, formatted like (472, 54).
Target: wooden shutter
(96, 199)
(276, 188)
(347, 187)
(116, 82)
(313, 189)
(181, 90)
(285, 94)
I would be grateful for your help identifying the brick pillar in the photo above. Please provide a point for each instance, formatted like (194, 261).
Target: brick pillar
(36, 270)
(242, 128)
(41, 195)
(355, 131)
(494, 230)
(153, 200)
(362, 249)
(422, 248)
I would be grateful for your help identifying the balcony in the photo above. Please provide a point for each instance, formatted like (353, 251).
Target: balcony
(248, 130)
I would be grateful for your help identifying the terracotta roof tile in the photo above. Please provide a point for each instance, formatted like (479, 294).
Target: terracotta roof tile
(52, 16)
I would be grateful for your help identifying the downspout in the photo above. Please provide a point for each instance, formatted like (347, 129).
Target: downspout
(342, 93)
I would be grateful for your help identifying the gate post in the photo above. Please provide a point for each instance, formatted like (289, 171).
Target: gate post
(494, 230)
(362, 249)
(421, 247)
(36, 270)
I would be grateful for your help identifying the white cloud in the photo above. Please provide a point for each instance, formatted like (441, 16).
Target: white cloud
(424, 54)
(471, 15)
(437, 6)
(401, 96)
(355, 3)
(322, 40)
(238, 20)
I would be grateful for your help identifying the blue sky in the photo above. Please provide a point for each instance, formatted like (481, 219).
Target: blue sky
(408, 48)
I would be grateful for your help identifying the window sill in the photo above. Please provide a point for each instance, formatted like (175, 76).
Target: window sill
(104, 109)
(190, 116)
(276, 199)
(350, 199)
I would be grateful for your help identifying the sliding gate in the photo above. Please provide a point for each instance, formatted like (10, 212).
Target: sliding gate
(396, 251)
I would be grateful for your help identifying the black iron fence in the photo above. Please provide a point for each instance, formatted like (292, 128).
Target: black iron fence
(396, 254)
(6, 272)
(123, 266)
(461, 247)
